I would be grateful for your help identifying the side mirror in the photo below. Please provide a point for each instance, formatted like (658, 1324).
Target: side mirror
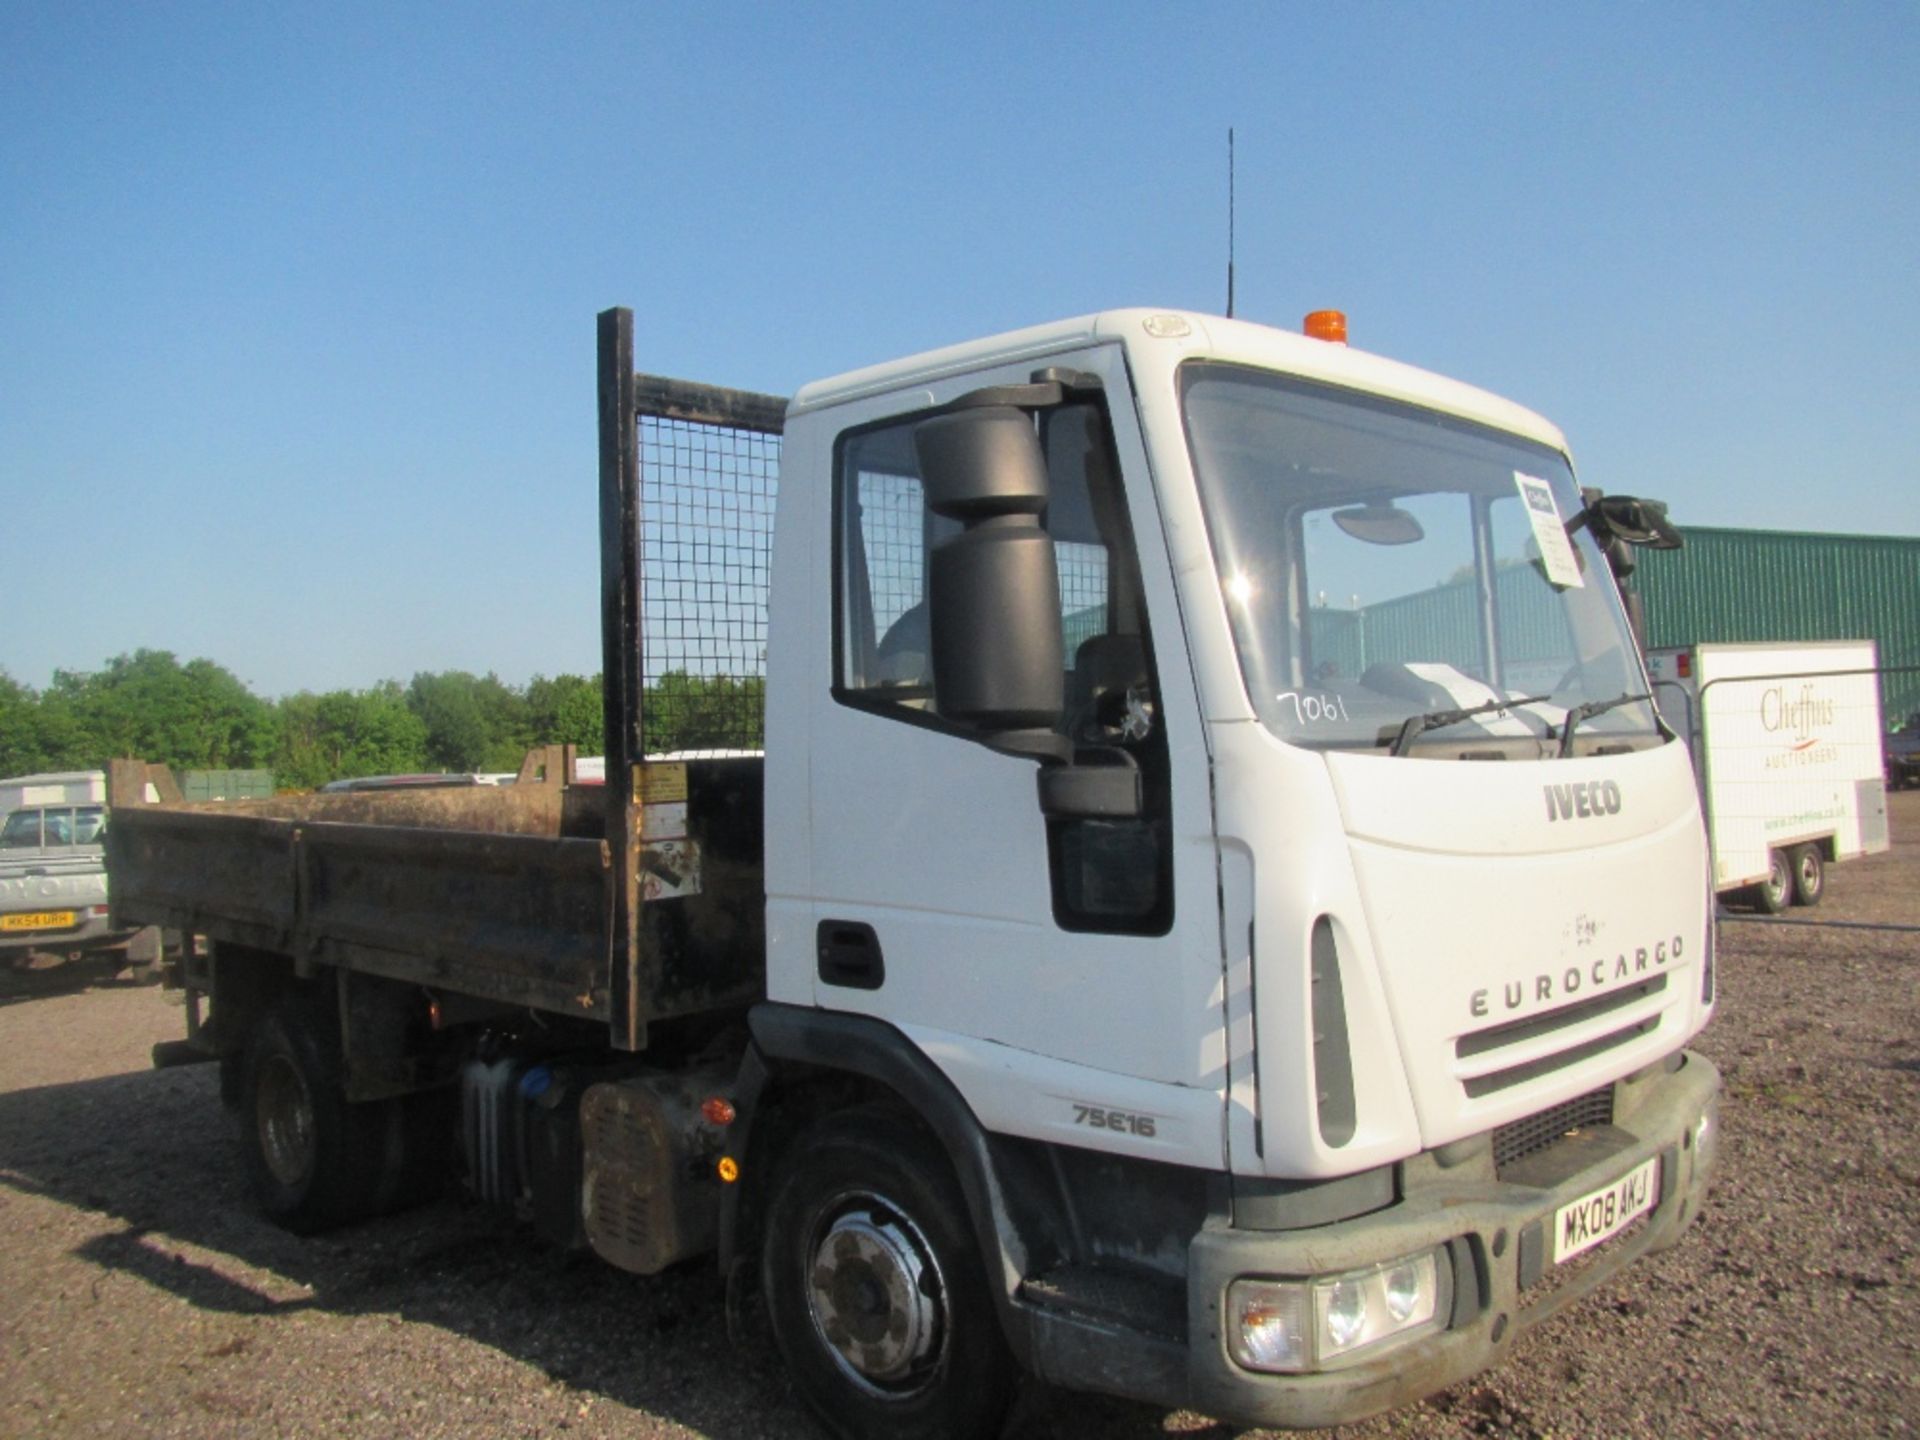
(982, 462)
(1629, 519)
(993, 591)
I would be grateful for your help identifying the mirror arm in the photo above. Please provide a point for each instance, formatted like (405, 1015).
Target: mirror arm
(1048, 390)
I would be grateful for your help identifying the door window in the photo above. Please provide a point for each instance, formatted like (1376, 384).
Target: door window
(1111, 875)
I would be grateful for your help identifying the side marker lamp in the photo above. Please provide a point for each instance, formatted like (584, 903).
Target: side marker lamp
(1293, 1326)
(729, 1169)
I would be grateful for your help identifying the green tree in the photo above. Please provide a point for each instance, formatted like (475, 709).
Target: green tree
(149, 705)
(21, 750)
(347, 733)
(566, 711)
(683, 711)
(472, 722)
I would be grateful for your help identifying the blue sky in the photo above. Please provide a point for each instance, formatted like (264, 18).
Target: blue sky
(297, 302)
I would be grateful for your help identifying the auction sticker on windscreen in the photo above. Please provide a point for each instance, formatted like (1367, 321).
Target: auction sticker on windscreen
(1549, 532)
(1601, 1214)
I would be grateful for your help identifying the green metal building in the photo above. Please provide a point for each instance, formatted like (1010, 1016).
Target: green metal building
(1747, 585)
(198, 785)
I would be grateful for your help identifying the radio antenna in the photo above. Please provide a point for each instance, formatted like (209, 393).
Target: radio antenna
(1229, 222)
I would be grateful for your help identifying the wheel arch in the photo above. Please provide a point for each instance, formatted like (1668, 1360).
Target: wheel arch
(805, 1063)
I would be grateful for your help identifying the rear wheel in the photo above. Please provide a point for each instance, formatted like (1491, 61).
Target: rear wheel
(1809, 874)
(1775, 893)
(877, 1293)
(314, 1159)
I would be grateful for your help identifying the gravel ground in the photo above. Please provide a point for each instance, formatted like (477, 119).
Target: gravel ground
(140, 1296)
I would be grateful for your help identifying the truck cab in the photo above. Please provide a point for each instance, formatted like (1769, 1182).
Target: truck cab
(1377, 962)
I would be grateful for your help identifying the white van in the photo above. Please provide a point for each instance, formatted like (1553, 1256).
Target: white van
(53, 877)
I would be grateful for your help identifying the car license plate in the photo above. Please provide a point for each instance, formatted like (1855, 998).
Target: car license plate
(38, 920)
(1601, 1214)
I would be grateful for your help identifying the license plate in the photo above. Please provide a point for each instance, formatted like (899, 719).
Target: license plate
(38, 920)
(1601, 1214)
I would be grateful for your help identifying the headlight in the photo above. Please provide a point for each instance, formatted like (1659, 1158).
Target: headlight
(1332, 1320)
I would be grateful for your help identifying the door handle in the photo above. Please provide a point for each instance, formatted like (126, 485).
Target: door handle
(850, 955)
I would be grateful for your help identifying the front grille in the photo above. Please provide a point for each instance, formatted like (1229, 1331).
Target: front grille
(1534, 1133)
(1513, 1032)
(1481, 1085)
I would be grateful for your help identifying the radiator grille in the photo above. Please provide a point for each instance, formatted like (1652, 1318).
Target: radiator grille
(1534, 1133)
(1482, 1085)
(1514, 1032)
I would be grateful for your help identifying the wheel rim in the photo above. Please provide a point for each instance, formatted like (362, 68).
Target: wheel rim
(876, 1296)
(1809, 873)
(1779, 880)
(283, 1112)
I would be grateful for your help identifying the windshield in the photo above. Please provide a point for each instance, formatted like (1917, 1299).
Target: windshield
(1384, 564)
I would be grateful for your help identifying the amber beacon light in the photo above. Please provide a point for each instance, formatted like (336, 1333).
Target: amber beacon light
(1330, 325)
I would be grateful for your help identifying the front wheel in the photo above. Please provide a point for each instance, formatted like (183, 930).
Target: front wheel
(1809, 874)
(877, 1293)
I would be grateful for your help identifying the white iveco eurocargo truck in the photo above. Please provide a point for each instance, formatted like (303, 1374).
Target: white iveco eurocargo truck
(1198, 904)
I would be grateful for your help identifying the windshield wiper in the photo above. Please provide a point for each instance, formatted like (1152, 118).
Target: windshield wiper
(1586, 710)
(1435, 719)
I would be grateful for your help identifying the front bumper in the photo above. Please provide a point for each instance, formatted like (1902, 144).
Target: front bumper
(1495, 1237)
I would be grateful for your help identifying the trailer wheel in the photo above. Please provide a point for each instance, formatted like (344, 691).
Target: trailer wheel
(314, 1159)
(877, 1294)
(1773, 894)
(1809, 874)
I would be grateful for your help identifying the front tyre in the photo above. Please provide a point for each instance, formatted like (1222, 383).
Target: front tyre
(877, 1294)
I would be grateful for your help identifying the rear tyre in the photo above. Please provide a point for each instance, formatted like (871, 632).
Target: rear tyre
(876, 1291)
(314, 1160)
(1809, 874)
(1773, 894)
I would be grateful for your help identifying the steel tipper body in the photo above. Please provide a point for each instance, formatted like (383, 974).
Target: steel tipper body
(1377, 1014)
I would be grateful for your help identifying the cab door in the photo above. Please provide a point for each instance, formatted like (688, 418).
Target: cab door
(1065, 973)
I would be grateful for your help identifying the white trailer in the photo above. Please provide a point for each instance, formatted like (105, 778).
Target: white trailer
(1786, 746)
